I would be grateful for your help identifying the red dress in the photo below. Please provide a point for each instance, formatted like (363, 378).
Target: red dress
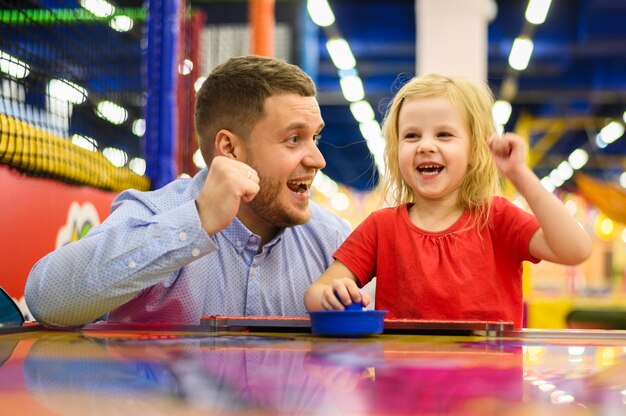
(454, 274)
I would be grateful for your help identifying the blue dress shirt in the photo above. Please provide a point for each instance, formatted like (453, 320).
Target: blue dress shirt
(151, 261)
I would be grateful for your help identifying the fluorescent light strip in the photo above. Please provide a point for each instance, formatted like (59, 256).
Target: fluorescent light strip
(501, 112)
(340, 53)
(320, 12)
(137, 165)
(352, 88)
(537, 11)
(121, 23)
(351, 84)
(521, 51)
(100, 8)
(13, 67)
(362, 111)
(66, 91)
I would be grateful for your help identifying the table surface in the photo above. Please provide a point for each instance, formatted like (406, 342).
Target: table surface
(160, 371)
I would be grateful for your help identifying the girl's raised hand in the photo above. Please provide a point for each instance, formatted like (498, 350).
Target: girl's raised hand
(509, 152)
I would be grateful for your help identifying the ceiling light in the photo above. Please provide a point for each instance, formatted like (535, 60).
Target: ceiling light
(117, 157)
(565, 170)
(377, 149)
(85, 142)
(139, 127)
(537, 11)
(375, 143)
(137, 165)
(198, 160)
(66, 91)
(578, 158)
(111, 112)
(198, 84)
(185, 67)
(340, 53)
(13, 67)
(320, 12)
(521, 51)
(352, 88)
(121, 23)
(362, 111)
(501, 112)
(556, 179)
(100, 8)
(600, 143)
(611, 132)
(370, 130)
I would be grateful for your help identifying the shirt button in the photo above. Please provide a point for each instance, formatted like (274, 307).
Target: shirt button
(195, 252)
(182, 236)
(253, 271)
(238, 244)
(132, 264)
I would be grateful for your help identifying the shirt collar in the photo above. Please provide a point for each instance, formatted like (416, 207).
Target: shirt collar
(238, 235)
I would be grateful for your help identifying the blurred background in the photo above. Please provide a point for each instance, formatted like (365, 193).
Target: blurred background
(97, 96)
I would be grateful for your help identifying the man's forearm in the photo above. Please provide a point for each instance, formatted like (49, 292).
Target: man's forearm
(84, 280)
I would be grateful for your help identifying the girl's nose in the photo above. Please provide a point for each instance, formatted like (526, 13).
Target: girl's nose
(426, 145)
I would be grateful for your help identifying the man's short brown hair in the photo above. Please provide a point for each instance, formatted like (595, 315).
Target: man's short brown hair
(233, 95)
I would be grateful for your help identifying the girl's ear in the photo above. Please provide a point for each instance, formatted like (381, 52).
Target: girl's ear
(227, 144)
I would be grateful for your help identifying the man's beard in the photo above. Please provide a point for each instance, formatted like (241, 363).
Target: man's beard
(267, 205)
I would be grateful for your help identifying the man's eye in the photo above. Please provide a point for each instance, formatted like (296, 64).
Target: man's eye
(317, 138)
(293, 139)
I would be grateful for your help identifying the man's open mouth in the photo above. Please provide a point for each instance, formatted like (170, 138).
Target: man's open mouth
(299, 187)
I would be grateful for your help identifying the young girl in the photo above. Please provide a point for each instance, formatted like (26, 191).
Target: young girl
(450, 249)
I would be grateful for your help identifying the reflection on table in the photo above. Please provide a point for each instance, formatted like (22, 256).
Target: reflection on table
(170, 373)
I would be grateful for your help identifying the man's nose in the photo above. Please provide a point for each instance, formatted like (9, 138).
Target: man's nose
(314, 157)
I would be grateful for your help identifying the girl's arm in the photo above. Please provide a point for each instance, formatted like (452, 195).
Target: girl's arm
(336, 282)
(560, 238)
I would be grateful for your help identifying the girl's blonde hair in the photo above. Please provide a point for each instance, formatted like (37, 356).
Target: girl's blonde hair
(474, 101)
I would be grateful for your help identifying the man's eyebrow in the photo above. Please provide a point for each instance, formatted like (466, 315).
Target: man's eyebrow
(299, 125)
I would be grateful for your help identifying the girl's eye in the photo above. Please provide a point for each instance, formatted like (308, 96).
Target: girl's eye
(444, 134)
(411, 136)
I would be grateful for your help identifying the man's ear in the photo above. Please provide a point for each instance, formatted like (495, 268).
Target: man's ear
(227, 144)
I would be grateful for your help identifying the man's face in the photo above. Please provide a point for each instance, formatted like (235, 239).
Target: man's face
(282, 148)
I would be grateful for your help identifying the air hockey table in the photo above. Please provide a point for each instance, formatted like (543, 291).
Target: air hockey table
(243, 366)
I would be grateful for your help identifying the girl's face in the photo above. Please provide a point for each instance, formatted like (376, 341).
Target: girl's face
(433, 148)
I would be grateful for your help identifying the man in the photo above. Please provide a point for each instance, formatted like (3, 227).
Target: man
(240, 238)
